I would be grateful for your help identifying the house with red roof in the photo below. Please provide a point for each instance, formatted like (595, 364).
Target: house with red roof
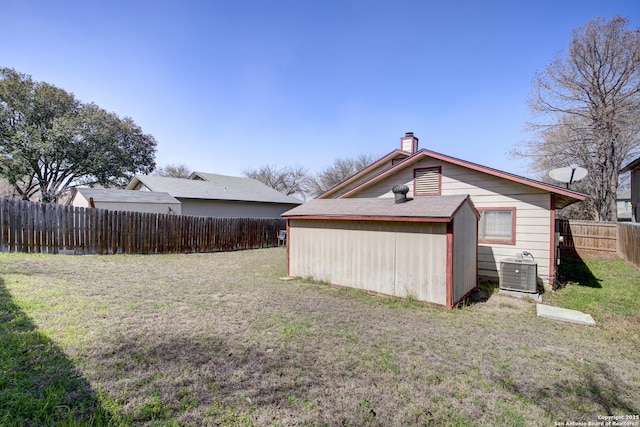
(516, 214)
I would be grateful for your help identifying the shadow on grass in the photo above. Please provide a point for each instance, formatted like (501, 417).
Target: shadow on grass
(196, 379)
(574, 270)
(599, 390)
(39, 384)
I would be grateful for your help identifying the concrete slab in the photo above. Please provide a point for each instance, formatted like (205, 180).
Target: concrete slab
(516, 294)
(564, 315)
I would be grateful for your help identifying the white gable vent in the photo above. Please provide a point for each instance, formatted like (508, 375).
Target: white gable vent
(427, 181)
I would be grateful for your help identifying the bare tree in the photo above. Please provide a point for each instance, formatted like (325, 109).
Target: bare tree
(588, 105)
(340, 170)
(288, 180)
(297, 181)
(173, 171)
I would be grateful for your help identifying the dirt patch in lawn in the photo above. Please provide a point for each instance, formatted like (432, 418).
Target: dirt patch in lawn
(219, 339)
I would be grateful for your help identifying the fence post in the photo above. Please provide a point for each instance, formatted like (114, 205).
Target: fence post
(4, 223)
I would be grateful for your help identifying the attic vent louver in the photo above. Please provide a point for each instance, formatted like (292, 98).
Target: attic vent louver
(400, 192)
(427, 181)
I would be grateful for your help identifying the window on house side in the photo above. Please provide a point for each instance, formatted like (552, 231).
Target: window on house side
(497, 225)
(426, 182)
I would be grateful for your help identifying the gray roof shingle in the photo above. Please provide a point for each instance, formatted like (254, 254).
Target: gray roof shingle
(421, 207)
(215, 187)
(126, 196)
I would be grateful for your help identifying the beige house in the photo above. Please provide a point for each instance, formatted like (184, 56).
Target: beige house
(634, 168)
(623, 204)
(425, 248)
(517, 214)
(125, 200)
(207, 194)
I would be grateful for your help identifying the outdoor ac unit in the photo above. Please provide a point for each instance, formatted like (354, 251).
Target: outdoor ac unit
(518, 275)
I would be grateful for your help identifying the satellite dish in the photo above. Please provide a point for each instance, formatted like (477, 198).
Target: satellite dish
(568, 175)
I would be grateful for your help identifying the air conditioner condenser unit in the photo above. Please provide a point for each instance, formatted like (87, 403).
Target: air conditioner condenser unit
(518, 275)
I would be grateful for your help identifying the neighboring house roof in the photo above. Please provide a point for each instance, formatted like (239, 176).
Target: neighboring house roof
(564, 197)
(215, 187)
(428, 209)
(631, 166)
(124, 196)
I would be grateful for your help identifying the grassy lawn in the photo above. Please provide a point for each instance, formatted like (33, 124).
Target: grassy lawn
(219, 339)
(609, 287)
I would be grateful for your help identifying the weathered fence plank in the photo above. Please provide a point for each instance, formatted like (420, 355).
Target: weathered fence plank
(4, 223)
(588, 235)
(47, 228)
(629, 242)
(622, 238)
(15, 219)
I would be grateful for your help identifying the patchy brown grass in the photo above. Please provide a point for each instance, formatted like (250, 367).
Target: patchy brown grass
(219, 339)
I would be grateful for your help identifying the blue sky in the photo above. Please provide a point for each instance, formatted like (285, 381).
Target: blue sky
(229, 85)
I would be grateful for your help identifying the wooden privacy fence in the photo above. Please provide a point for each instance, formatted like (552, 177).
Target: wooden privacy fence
(622, 238)
(629, 242)
(588, 235)
(50, 228)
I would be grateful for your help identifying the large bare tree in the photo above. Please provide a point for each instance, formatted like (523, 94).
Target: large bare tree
(297, 181)
(587, 105)
(173, 171)
(291, 180)
(340, 170)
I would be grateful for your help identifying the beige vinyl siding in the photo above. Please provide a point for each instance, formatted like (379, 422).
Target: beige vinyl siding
(79, 201)
(465, 232)
(383, 188)
(141, 187)
(231, 209)
(390, 258)
(421, 259)
(140, 207)
(368, 176)
(532, 210)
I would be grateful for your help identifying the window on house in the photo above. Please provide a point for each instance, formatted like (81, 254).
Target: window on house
(426, 181)
(497, 225)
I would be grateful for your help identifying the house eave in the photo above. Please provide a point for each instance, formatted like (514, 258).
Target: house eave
(631, 166)
(424, 153)
(215, 199)
(357, 175)
(371, 218)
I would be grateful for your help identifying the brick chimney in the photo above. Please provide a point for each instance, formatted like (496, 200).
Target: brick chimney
(409, 143)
